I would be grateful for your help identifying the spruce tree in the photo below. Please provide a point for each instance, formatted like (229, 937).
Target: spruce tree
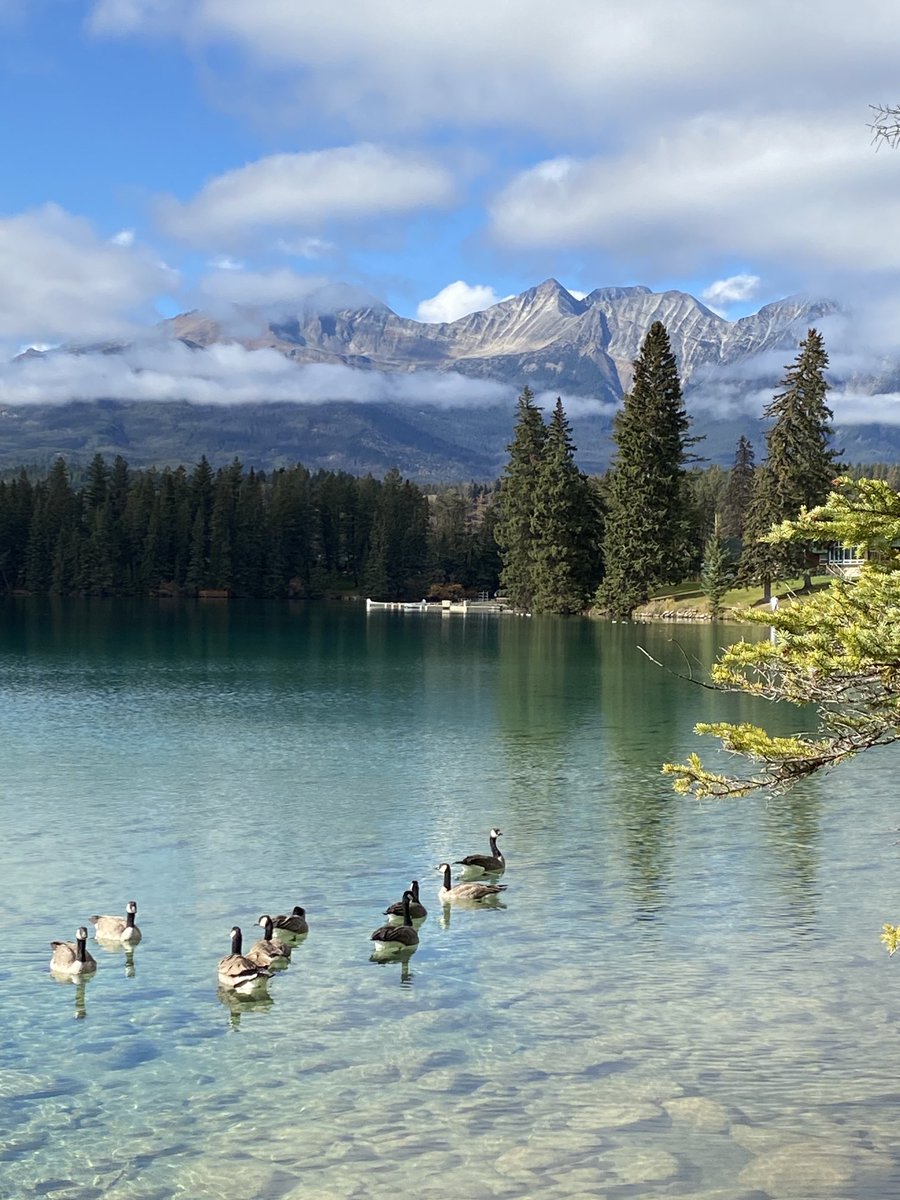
(739, 492)
(800, 465)
(799, 442)
(515, 529)
(646, 536)
(717, 571)
(565, 526)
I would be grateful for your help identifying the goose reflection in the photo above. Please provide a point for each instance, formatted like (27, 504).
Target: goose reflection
(239, 1006)
(123, 950)
(447, 910)
(402, 957)
(80, 986)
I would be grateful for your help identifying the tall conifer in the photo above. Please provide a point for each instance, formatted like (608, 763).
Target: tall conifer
(646, 537)
(800, 466)
(565, 526)
(739, 492)
(515, 529)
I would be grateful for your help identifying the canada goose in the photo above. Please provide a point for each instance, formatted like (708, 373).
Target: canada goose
(397, 937)
(465, 891)
(118, 929)
(269, 951)
(72, 958)
(485, 864)
(240, 973)
(417, 909)
(294, 922)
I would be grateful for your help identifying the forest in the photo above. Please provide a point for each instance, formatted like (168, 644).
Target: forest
(550, 537)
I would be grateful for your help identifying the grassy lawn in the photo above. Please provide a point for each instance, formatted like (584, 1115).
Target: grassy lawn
(687, 597)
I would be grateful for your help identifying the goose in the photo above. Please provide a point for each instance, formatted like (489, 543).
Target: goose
(294, 922)
(465, 891)
(72, 958)
(397, 937)
(240, 973)
(269, 951)
(485, 864)
(417, 909)
(118, 929)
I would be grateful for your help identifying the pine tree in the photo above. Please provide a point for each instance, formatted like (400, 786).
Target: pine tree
(800, 464)
(717, 571)
(762, 562)
(739, 492)
(448, 537)
(565, 526)
(515, 529)
(800, 456)
(201, 492)
(834, 657)
(647, 536)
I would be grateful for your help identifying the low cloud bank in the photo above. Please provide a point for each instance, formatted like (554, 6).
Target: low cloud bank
(229, 374)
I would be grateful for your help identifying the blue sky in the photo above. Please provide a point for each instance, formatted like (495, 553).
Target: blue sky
(170, 154)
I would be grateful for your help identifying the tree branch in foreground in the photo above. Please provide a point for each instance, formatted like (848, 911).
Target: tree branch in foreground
(838, 652)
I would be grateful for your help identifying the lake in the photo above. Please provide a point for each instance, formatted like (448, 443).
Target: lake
(673, 999)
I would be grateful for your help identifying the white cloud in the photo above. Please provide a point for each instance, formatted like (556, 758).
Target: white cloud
(277, 292)
(285, 192)
(230, 374)
(457, 300)
(125, 237)
(733, 290)
(580, 66)
(774, 189)
(60, 281)
(223, 262)
(304, 247)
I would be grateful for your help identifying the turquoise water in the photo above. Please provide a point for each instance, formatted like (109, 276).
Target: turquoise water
(675, 999)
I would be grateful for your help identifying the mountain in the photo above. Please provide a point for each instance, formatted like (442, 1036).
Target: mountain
(376, 396)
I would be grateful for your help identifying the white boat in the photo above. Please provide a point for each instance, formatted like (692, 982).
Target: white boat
(397, 605)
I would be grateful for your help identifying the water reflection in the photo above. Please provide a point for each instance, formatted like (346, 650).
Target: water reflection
(79, 983)
(241, 1006)
(400, 957)
(489, 903)
(711, 1052)
(119, 949)
(793, 825)
(538, 708)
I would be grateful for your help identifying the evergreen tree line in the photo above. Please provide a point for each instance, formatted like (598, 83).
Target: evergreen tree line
(554, 539)
(288, 533)
(655, 519)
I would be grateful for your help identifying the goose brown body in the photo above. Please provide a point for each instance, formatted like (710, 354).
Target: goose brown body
(293, 922)
(118, 929)
(269, 951)
(72, 958)
(485, 864)
(397, 937)
(240, 973)
(417, 909)
(466, 891)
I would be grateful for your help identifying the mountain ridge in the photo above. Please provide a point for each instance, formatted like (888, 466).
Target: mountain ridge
(546, 338)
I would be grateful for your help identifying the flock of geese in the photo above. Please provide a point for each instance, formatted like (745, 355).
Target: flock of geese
(248, 974)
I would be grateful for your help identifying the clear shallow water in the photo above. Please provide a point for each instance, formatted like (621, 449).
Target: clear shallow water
(677, 999)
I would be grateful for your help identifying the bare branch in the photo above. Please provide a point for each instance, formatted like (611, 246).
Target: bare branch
(886, 125)
(677, 674)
